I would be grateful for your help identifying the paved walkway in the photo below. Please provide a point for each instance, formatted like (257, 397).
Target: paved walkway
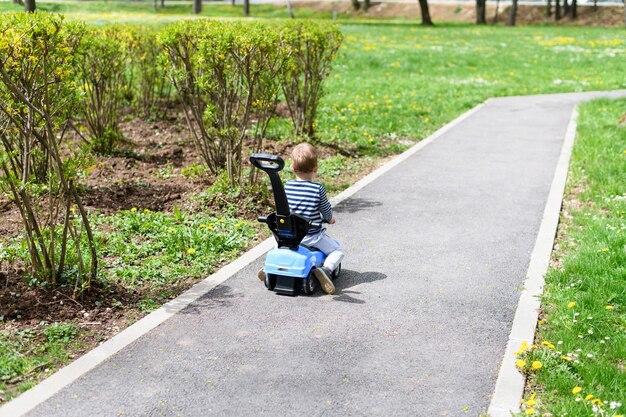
(437, 249)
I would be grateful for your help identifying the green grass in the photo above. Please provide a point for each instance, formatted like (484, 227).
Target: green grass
(33, 351)
(584, 327)
(396, 81)
(157, 249)
(138, 11)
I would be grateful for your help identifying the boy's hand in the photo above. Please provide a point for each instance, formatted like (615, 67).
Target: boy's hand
(332, 221)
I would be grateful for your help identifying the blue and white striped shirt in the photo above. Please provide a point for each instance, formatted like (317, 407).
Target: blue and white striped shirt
(308, 199)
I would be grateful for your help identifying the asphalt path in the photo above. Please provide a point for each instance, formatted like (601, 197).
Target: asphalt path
(437, 250)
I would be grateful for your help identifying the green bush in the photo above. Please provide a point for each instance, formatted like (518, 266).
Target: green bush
(103, 59)
(313, 47)
(37, 98)
(227, 76)
(151, 85)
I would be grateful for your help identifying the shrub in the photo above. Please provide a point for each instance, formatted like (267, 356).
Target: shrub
(151, 84)
(227, 76)
(103, 59)
(37, 98)
(313, 47)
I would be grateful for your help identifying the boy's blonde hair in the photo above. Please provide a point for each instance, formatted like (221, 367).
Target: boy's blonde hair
(304, 158)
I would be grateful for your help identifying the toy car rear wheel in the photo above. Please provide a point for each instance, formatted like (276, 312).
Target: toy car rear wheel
(336, 272)
(310, 284)
(270, 281)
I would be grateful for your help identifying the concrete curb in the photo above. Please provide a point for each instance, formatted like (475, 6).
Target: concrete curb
(509, 388)
(68, 374)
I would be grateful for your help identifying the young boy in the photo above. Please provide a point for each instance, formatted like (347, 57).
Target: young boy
(308, 199)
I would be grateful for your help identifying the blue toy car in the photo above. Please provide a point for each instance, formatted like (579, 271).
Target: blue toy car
(289, 267)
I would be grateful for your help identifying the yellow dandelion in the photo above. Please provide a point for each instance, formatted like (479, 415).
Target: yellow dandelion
(547, 344)
(536, 365)
(566, 358)
(530, 411)
(571, 304)
(522, 348)
(191, 251)
(609, 307)
(597, 401)
(589, 397)
(521, 363)
(134, 209)
(531, 402)
(576, 390)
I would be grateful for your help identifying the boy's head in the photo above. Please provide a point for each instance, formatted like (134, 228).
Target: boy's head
(304, 159)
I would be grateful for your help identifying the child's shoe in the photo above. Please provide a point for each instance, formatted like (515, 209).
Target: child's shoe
(261, 274)
(323, 275)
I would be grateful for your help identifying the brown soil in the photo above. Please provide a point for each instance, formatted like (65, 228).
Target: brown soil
(527, 14)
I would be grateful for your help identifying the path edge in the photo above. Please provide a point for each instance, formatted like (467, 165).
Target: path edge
(41, 392)
(509, 389)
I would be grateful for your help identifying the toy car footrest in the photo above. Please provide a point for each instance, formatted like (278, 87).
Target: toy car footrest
(286, 285)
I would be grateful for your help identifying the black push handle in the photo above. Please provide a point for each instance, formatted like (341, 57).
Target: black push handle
(266, 162)
(272, 164)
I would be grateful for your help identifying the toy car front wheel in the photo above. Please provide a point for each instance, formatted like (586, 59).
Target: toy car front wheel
(310, 284)
(336, 272)
(270, 281)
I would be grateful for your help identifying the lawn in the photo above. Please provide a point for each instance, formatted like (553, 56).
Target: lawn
(581, 340)
(392, 85)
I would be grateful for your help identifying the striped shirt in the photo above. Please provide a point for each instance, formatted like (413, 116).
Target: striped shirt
(308, 199)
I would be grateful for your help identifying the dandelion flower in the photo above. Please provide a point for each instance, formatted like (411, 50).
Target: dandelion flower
(609, 307)
(521, 363)
(536, 365)
(571, 304)
(531, 403)
(522, 348)
(576, 390)
(589, 397)
(134, 209)
(530, 411)
(191, 251)
(566, 358)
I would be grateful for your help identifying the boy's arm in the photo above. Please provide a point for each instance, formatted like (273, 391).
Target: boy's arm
(325, 208)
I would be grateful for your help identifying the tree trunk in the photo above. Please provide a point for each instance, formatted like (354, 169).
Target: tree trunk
(573, 12)
(624, 12)
(481, 12)
(557, 10)
(366, 5)
(426, 20)
(197, 6)
(162, 3)
(20, 2)
(495, 16)
(246, 7)
(355, 5)
(512, 14)
(232, 3)
(30, 5)
(549, 8)
(290, 9)
(565, 7)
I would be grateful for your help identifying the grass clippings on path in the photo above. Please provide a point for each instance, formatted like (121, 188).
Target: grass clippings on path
(578, 365)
